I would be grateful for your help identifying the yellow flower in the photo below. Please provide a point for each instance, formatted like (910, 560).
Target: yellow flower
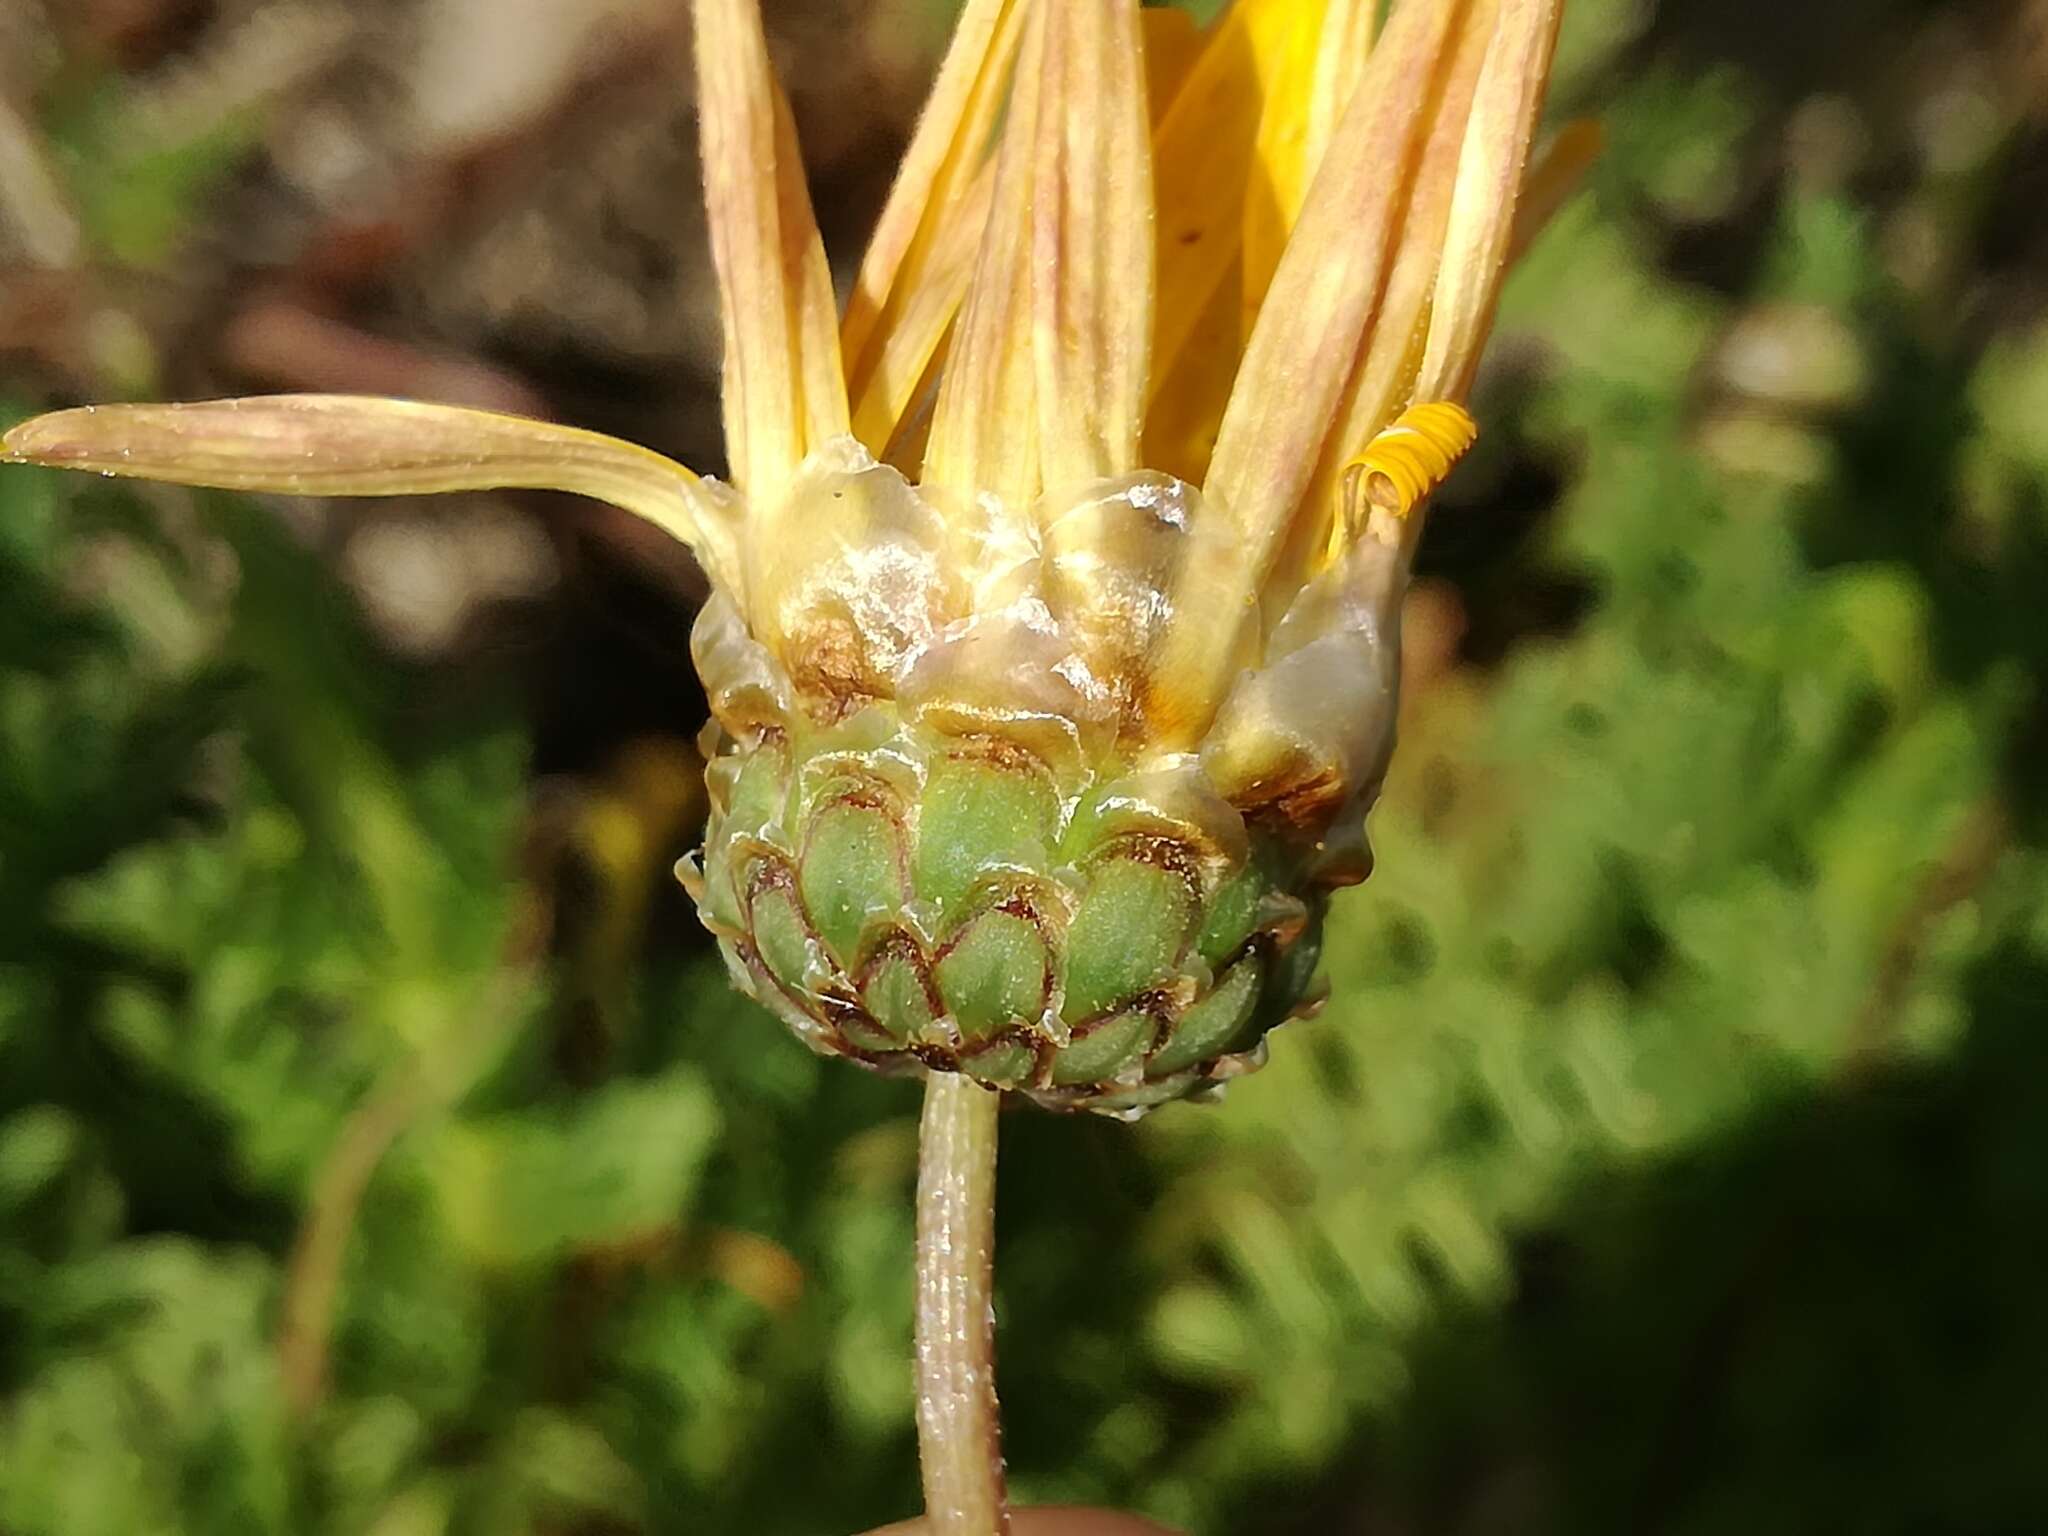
(1113, 464)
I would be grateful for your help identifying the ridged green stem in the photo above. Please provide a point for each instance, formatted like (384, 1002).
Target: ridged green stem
(959, 1436)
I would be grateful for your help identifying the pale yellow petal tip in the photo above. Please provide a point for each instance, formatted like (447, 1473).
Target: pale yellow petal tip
(131, 440)
(1400, 467)
(41, 439)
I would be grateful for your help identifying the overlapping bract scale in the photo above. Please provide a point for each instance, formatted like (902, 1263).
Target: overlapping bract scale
(945, 833)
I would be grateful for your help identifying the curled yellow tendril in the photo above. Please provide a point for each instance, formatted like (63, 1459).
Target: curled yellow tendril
(1404, 462)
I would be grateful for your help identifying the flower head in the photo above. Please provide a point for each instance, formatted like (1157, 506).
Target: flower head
(1052, 640)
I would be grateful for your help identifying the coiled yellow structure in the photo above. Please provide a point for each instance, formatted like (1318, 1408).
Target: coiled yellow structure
(1404, 462)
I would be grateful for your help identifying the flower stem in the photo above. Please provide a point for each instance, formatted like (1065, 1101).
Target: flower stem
(959, 1437)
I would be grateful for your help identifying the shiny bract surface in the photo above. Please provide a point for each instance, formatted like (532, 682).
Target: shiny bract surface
(949, 829)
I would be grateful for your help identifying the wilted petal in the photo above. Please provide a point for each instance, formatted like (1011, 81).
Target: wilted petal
(1383, 383)
(917, 263)
(1349, 27)
(951, 141)
(784, 392)
(892, 391)
(1202, 164)
(1305, 98)
(1490, 171)
(1092, 241)
(984, 432)
(346, 445)
(1306, 342)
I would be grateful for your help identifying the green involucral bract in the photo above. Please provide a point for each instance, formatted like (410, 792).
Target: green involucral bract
(947, 834)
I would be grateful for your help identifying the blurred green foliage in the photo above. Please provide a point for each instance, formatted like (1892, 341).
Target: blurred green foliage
(1672, 1155)
(133, 184)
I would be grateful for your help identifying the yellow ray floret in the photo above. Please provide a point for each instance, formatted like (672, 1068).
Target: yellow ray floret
(1403, 463)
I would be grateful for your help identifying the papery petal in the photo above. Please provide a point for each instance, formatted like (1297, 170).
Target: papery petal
(1092, 241)
(1304, 348)
(1046, 375)
(1202, 164)
(346, 445)
(984, 430)
(904, 359)
(1505, 108)
(1383, 383)
(915, 271)
(784, 391)
(1349, 27)
(1304, 101)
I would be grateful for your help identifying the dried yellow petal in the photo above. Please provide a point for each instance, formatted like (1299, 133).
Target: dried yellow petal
(1383, 382)
(1091, 241)
(1280, 169)
(984, 431)
(1304, 101)
(1307, 339)
(1202, 164)
(915, 272)
(346, 445)
(784, 391)
(1496, 155)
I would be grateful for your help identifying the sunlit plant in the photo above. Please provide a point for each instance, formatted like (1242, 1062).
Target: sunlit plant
(1053, 640)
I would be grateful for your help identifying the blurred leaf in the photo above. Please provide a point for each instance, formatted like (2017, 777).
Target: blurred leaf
(616, 1165)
